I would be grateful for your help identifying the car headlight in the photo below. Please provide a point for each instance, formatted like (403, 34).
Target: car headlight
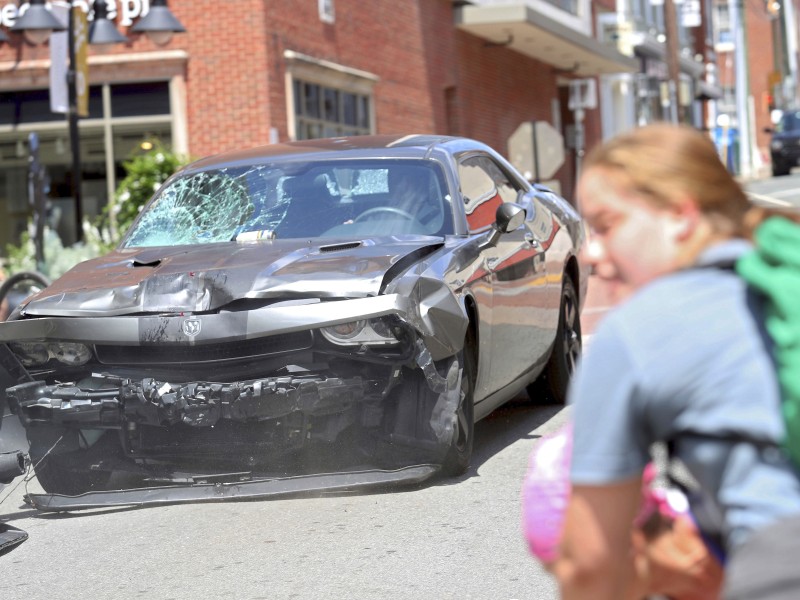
(372, 332)
(30, 353)
(776, 145)
(33, 354)
(70, 353)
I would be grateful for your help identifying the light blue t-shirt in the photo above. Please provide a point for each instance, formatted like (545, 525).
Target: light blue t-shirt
(686, 353)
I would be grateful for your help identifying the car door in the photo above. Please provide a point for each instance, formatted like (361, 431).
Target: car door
(515, 284)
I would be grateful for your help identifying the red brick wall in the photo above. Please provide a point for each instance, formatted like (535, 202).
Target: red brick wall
(382, 37)
(227, 79)
(760, 63)
(432, 77)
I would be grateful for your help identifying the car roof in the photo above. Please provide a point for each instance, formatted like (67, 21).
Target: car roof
(363, 146)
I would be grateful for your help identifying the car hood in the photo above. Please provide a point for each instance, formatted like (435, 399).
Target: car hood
(205, 278)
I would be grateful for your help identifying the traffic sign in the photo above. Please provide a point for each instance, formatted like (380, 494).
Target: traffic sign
(536, 148)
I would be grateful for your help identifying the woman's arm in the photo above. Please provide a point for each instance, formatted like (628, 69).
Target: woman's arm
(596, 561)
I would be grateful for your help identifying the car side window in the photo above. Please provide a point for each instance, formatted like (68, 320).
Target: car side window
(789, 122)
(484, 186)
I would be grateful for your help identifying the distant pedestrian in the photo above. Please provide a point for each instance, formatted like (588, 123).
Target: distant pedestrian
(683, 360)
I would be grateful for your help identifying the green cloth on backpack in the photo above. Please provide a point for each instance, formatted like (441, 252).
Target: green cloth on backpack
(773, 268)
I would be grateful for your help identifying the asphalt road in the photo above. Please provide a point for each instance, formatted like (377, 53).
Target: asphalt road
(455, 539)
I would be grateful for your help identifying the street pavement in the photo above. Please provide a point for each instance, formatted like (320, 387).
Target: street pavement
(599, 301)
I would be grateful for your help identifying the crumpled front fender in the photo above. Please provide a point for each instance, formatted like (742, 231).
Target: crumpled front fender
(436, 312)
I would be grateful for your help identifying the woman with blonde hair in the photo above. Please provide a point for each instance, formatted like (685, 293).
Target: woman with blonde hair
(683, 360)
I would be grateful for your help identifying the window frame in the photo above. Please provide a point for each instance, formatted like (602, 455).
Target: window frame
(329, 77)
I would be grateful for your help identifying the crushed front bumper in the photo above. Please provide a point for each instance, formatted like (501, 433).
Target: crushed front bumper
(216, 491)
(111, 401)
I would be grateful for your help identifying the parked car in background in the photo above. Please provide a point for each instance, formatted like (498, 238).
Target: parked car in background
(784, 147)
(317, 314)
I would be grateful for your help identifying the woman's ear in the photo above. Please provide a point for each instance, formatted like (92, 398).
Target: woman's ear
(685, 219)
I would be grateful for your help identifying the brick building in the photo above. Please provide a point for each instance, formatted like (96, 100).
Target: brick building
(251, 72)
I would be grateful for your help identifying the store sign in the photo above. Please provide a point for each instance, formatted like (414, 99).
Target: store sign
(126, 10)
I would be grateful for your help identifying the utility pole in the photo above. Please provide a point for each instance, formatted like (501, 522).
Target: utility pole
(742, 70)
(673, 65)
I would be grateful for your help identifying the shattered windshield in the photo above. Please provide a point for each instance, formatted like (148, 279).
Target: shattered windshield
(336, 199)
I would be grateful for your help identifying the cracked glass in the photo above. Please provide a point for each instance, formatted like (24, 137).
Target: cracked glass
(338, 199)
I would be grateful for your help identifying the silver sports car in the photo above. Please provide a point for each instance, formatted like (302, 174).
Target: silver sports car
(322, 314)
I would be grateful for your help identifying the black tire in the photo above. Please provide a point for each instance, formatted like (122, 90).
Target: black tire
(22, 277)
(457, 459)
(70, 469)
(551, 387)
(779, 169)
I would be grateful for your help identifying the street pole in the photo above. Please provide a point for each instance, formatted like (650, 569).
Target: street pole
(74, 139)
(673, 65)
(36, 176)
(738, 22)
(78, 100)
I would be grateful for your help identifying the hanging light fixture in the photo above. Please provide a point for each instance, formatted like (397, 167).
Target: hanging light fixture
(102, 31)
(37, 23)
(159, 24)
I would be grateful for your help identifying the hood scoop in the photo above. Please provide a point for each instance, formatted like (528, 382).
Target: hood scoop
(339, 247)
(149, 263)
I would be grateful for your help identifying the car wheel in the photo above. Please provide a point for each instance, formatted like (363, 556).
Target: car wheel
(779, 169)
(456, 461)
(551, 387)
(62, 466)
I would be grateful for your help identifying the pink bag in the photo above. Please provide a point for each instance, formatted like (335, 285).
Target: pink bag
(546, 490)
(545, 493)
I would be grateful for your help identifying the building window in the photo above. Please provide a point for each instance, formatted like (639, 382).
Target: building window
(326, 99)
(322, 111)
(723, 35)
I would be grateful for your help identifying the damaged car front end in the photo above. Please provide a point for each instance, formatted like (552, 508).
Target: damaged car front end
(324, 315)
(237, 389)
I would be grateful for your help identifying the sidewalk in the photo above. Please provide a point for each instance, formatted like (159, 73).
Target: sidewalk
(598, 303)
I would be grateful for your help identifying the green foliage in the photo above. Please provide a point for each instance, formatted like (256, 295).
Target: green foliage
(57, 259)
(145, 172)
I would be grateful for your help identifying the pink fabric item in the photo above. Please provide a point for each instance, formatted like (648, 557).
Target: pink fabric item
(669, 502)
(545, 493)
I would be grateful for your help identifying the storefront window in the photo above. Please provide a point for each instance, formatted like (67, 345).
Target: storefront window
(121, 117)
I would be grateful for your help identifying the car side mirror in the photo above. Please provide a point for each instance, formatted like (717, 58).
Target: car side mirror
(507, 218)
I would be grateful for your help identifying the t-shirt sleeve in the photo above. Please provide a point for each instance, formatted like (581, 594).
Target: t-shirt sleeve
(610, 442)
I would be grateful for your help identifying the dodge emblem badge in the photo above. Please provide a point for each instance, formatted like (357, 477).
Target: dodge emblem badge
(191, 327)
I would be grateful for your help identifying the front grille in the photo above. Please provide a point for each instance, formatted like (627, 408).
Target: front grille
(207, 353)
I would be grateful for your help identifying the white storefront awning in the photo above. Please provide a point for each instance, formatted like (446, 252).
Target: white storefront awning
(533, 33)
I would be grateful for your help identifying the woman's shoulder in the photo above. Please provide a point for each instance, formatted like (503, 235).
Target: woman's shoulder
(679, 305)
